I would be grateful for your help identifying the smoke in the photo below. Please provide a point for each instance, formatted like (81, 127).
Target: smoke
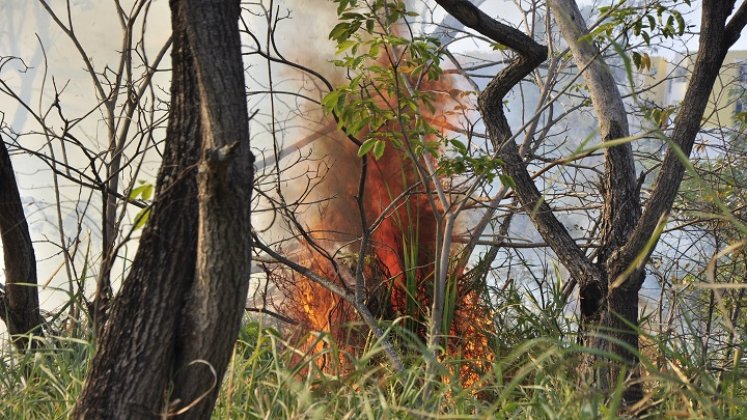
(321, 193)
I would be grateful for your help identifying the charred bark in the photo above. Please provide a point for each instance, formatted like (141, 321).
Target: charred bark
(19, 304)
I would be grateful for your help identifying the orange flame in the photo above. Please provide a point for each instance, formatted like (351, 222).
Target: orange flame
(404, 240)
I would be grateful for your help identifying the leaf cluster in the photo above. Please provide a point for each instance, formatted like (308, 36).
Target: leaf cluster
(661, 18)
(464, 162)
(144, 192)
(386, 65)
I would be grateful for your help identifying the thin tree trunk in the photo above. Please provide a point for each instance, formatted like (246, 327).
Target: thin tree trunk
(19, 305)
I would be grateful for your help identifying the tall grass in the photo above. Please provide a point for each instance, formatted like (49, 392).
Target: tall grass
(531, 377)
(42, 384)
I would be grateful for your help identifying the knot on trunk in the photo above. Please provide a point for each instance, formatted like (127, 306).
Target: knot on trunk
(592, 296)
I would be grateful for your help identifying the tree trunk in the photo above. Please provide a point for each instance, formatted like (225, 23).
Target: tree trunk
(608, 289)
(612, 328)
(19, 305)
(615, 313)
(180, 307)
(131, 368)
(627, 251)
(213, 311)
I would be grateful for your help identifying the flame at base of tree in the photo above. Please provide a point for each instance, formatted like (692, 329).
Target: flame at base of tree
(399, 264)
(397, 122)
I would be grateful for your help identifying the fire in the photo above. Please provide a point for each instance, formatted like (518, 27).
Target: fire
(400, 261)
(400, 258)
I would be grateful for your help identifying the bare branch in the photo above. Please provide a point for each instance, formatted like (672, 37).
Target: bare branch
(712, 49)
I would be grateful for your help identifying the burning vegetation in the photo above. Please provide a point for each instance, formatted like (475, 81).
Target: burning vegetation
(373, 142)
(398, 265)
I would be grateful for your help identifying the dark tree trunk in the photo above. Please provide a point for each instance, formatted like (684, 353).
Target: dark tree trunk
(19, 304)
(612, 327)
(625, 250)
(180, 307)
(608, 289)
(132, 365)
(212, 315)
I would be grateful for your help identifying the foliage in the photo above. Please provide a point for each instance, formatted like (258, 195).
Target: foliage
(143, 191)
(386, 69)
(531, 378)
(631, 21)
(692, 367)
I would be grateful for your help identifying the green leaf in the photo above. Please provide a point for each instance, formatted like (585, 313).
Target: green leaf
(651, 22)
(144, 191)
(344, 45)
(378, 150)
(331, 100)
(366, 147)
(339, 32)
(374, 50)
(637, 59)
(147, 192)
(459, 146)
(680, 23)
(141, 218)
(646, 37)
(507, 181)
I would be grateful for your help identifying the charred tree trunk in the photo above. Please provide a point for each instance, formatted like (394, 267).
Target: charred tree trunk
(179, 309)
(19, 304)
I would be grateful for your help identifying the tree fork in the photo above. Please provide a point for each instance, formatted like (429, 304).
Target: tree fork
(614, 310)
(188, 281)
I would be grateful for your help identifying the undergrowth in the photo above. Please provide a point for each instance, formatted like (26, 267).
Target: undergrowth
(269, 379)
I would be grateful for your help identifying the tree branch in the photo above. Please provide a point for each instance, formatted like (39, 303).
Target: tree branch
(490, 102)
(712, 50)
(619, 187)
(735, 25)
(361, 308)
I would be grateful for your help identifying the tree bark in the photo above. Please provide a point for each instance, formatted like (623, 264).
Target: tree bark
(622, 300)
(212, 315)
(131, 368)
(618, 315)
(19, 304)
(177, 315)
(609, 288)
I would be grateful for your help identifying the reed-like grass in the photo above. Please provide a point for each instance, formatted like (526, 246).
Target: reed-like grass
(533, 377)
